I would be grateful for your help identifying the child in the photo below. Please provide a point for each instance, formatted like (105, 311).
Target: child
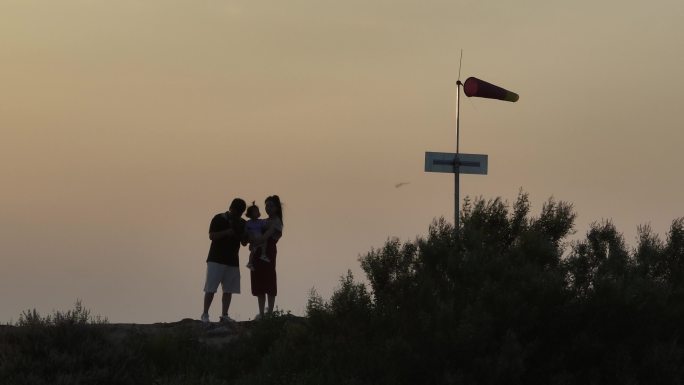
(255, 227)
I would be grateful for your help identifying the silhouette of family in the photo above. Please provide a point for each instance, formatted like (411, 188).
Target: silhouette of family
(227, 232)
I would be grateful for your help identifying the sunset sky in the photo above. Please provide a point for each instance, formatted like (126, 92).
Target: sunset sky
(126, 125)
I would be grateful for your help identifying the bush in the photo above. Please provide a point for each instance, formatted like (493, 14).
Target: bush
(64, 348)
(506, 300)
(77, 316)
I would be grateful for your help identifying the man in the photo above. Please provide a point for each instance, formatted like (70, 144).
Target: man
(226, 231)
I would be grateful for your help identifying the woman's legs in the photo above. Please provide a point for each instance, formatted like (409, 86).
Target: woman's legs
(271, 303)
(261, 298)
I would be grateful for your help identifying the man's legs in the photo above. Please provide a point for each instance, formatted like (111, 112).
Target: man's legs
(214, 273)
(225, 302)
(208, 297)
(230, 284)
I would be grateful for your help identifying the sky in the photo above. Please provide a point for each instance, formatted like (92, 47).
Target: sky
(125, 126)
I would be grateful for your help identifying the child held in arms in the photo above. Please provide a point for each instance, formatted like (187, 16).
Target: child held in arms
(255, 228)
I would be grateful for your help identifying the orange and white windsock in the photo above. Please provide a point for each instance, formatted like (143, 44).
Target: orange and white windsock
(482, 89)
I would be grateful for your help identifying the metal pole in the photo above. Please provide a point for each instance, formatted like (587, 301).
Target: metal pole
(457, 174)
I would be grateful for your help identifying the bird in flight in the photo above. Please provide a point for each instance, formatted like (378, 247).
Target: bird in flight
(401, 184)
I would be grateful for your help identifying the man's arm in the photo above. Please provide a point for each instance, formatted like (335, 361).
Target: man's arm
(245, 239)
(218, 222)
(221, 234)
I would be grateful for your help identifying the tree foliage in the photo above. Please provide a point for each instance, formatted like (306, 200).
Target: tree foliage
(509, 300)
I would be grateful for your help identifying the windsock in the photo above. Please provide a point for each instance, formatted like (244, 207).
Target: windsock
(482, 89)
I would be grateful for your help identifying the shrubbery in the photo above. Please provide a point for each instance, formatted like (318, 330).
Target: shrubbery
(509, 300)
(86, 350)
(77, 316)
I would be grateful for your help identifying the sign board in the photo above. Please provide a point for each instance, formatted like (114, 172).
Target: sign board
(448, 162)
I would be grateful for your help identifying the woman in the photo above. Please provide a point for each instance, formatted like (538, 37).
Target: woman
(263, 277)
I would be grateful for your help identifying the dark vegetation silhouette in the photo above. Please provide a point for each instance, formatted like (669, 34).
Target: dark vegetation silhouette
(509, 301)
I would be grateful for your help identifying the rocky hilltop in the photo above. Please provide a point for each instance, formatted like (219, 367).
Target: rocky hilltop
(213, 333)
(184, 352)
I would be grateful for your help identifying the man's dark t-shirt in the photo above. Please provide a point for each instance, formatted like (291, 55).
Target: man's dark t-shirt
(225, 250)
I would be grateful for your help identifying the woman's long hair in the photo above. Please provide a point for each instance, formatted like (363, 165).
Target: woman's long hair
(279, 208)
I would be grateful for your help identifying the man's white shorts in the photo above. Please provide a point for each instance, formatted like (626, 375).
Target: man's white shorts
(227, 276)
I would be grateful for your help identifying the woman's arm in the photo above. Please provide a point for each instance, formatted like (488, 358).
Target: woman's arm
(272, 231)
